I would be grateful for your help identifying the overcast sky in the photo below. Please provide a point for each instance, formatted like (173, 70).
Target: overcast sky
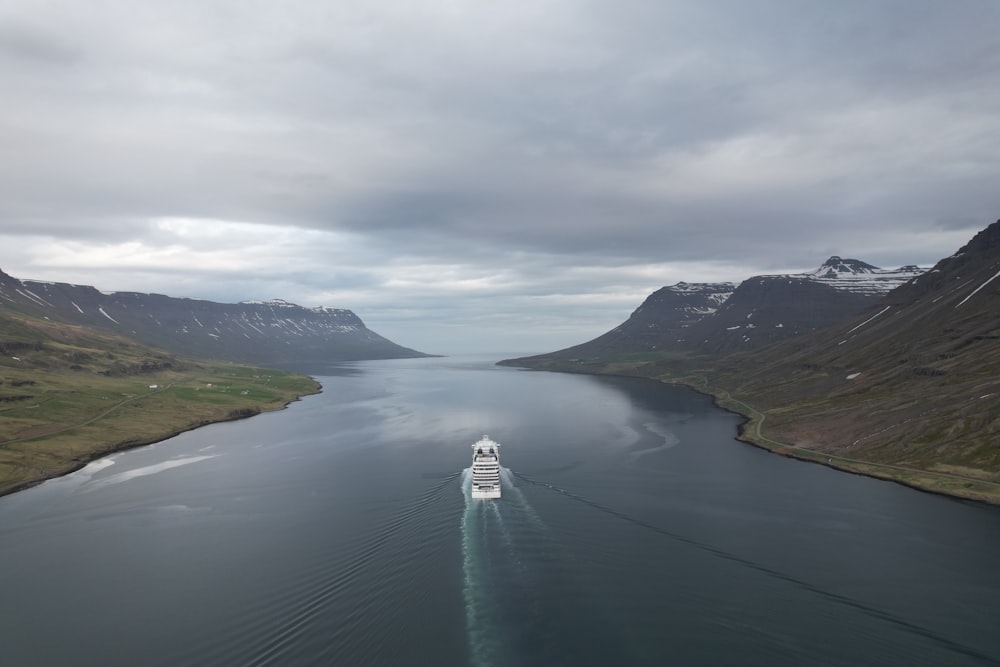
(488, 176)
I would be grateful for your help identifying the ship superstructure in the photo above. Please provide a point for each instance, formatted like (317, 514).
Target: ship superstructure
(486, 468)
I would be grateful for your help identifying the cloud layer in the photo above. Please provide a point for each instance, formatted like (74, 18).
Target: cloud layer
(470, 174)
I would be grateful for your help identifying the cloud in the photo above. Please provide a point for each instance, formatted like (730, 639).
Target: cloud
(415, 161)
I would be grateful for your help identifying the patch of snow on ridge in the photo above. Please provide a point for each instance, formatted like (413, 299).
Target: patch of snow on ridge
(28, 294)
(988, 281)
(101, 309)
(853, 375)
(871, 318)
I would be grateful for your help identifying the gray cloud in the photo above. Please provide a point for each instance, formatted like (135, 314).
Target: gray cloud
(473, 164)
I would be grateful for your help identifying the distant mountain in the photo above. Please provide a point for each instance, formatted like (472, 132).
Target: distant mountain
(718, 318)
(853, 275)
(661, 322)
(259, 332)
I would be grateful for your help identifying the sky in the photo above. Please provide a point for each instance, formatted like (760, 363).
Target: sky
(488, 176)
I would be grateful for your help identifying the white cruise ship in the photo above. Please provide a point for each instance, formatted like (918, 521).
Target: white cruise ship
(486, 469)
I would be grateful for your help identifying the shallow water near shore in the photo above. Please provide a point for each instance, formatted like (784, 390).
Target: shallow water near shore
(633, 530)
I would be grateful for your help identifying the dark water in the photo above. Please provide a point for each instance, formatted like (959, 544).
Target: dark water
(633, 531)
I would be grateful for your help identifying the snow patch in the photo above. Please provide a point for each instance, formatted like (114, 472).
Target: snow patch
(28, 294)
(101, 309)
(871, 318)
(988, 281)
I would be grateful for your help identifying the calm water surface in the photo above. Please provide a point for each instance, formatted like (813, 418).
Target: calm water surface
(634, 530)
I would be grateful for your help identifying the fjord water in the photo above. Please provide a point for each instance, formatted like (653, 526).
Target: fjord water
(633, 530)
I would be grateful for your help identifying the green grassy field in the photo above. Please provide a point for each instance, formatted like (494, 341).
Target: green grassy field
(69, 395)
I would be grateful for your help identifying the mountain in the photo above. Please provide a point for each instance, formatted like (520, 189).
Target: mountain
(912, 381)
(661, 322)
(719, 318)
(853, 275)
(766, 309)
(258, 332)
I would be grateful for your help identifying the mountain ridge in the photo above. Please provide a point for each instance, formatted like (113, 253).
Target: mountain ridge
(272, 332)
(715, 318)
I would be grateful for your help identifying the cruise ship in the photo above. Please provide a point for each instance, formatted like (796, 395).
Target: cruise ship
(486, 469)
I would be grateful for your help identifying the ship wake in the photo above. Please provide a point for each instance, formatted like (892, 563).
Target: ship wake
(500, 540)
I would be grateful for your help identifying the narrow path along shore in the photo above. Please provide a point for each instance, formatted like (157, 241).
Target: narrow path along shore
(759, 422)
(88, 421)
(916, 478)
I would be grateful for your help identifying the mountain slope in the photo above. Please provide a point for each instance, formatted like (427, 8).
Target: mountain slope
(766, 309)
(661, 322)
(914, 380)
(908, 389)
(271, 332)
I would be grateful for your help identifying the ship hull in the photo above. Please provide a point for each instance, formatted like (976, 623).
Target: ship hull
(485, 494)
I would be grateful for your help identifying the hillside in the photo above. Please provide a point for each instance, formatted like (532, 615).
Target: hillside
(70, 393)
(914, 381)
(906, 389)
(662, 322)
(259, 332)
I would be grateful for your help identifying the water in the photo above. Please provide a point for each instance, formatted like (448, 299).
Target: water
(633, 530)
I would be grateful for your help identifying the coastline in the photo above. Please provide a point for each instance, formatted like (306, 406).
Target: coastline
(102, 450)
(943, 484)
(937, 483)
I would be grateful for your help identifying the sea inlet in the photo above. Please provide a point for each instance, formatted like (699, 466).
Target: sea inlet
(633, 530)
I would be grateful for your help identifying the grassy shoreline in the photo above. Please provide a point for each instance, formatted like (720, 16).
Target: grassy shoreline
(750, 432)
(58, 423)
(946, 484)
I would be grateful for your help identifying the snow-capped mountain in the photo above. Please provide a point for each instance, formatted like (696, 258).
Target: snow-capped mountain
(856, 276)
(260, 332)
(766, 309)
(723, 317)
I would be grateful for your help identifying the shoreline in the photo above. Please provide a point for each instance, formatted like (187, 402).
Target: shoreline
(135, 443)
(926, 481)
(842, 464)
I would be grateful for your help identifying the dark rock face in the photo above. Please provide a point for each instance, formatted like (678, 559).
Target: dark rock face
(766, 309)
(663, 320)
(271, 332)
